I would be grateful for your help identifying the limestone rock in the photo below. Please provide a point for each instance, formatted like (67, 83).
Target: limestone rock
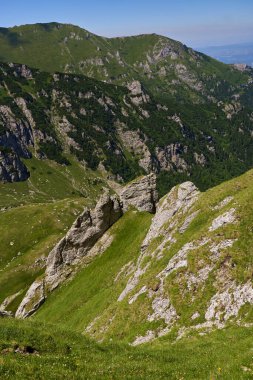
(171, 157)
(138, 95)
(5, 314)
(179, 198)
(32, 301)
(87, 231)
(88, 228)
(137, 146)
(227, 304)
(141, 194)
(18, 134)
(82, 236)
(226, 218)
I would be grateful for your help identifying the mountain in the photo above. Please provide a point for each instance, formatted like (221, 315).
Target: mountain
(186, 269)
(128, 130)
(240, 53)
(166, 66)
(179, 280)
(125, 252)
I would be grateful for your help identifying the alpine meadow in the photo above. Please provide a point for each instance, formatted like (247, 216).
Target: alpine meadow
(126, 206)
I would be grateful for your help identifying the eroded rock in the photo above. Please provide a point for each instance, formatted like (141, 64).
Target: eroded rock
(141, 194)
(82, 236)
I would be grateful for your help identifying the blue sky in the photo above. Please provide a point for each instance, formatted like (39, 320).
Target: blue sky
(195, 22)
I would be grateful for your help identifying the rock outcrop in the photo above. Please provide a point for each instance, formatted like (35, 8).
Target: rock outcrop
(82, 236)
(80, 241)
(177, 202)
(141, 194)
(5, 314)
(12, 168)
(88, 228)
(34, 298)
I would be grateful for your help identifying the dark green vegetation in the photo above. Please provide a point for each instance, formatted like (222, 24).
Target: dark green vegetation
(191, 118)
(32, 350)
(194, 121)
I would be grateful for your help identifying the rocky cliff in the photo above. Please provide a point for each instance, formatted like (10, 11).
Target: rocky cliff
(190, 272)
(80, 241)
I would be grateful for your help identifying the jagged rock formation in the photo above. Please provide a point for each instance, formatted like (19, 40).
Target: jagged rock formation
(85, 232)
(12, 168)
(33, 299)
(177, 201)
(191, 270)
(185, 274)
(141, 194)
(82, 237)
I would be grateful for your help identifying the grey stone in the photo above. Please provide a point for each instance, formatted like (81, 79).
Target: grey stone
(141, 194)
(34, 298)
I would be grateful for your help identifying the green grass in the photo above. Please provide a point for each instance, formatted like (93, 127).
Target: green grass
(96, 293)
(59, 354)
(28, 233)
(50, 181)
(35, 215)
(94, 287)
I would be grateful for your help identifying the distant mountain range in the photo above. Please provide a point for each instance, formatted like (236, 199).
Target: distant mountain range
(150, 104)
(239, 53)
(101, 128)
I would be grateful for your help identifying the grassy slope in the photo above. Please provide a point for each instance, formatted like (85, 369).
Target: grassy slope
(53, 47)
(94, 286)
(35, 215)
(62, 354)
(50, 181)
(95, 290)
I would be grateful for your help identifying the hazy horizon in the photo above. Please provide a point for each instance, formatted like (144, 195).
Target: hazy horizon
(196, 23)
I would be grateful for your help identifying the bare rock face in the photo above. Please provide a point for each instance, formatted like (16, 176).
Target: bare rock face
(16, 134)
(82, 236)
(80, 241)
(88, 228)
(137, 93)
(137, 146)
(172, 156)
(141, 194)
(12, 168)
(34, 298)
(180, 198)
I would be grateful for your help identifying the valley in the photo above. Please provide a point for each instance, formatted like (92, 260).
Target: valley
(126, 208)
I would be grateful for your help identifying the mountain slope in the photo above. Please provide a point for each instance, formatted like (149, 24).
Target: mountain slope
(122, 132)
(191, 273)
(164, 65)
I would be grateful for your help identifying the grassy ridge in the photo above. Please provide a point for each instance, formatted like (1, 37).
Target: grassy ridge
(96, 292)
(94, 287)
(49, 182)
